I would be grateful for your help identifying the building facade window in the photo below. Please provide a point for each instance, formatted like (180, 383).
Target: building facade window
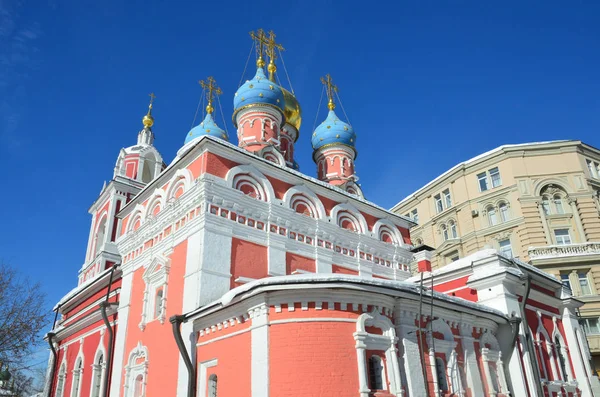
(414, 215)
(584, 284)
(505, 248)
(564, 278)
(591, 325)
(546, 205)
(62, 375)
(97, 376)
(492, 217)
(439, 205)
(453, 230)
(561, 359)
(155, 293)
(375, 373)
(558, 204)
(562, 236)
(503, 207)
(212, 385)
(447, 198)
(440, 369)
(489, 179)
(445, 232)
(76, 387)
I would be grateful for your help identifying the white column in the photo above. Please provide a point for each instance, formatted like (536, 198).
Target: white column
(488, 373)
(434, 377)
(276, 254)
(323, 259)
(471, 367)
(501, 375)
(361, 356)
(552, 356)
(412, 358)
(454, 375)
(570, 324)
(120, 354)
(259, 369)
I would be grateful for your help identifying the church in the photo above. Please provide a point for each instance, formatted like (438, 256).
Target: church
(228, 272)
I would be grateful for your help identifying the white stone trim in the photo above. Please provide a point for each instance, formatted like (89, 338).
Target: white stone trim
(133, 370)
(203, 376)
(154, 281)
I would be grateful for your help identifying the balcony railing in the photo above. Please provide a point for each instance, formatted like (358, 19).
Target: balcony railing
(552, 251)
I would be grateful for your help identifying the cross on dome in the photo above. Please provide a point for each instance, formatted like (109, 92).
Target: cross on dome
(331, 90)
(261, 41)
(211, 91)
(148, 120)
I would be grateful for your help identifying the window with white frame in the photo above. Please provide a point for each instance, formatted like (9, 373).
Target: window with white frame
(560, 352)
(439, 205)
(495, 177)
(505, 248)
(453, 230)
(566, 281)
(414, 215)
(492, 216)
(77, 372)
(558, 204)
(562, 236)
(444, 232)
(155, 294)
(591, 325)
(503, 208)
(546, 205)
(62, 376)
(97, 376)
(584, 283)
(447, 198)
(136, 372)
(489, 179)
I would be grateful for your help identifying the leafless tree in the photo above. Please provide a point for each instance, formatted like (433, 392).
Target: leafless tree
(23, 314)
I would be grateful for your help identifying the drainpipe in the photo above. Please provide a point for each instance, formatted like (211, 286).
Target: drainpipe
(176, 321)
(51, 336)
(109, 351)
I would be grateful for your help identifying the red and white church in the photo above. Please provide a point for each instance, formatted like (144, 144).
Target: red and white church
(228, 272)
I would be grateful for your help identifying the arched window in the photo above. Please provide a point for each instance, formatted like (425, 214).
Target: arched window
(444, 229)
(77, 378)
(503, 207)
(100, 236)
(492, 217)
(558, 204)
(546, 205)
(375, 373)
(440, 369)
(97, 376)
(212, 385)
(158, 303)
(453, 231)
(60, 385)
(561, 359)
(138, 386)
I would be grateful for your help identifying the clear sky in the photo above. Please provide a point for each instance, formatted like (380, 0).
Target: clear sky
(425, 84)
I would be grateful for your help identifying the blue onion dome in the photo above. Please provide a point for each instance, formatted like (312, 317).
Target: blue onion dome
(333, 131)
(259, 90)
(206, 127)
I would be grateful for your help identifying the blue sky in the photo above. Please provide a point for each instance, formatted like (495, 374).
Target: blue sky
(425, 85)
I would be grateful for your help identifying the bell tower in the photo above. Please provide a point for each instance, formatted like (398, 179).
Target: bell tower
(136, 166)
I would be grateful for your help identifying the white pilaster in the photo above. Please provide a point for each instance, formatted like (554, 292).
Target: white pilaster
(471, 368)
(119, 354)
(259, 378)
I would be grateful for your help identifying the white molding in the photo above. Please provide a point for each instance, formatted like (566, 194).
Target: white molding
(202, 376)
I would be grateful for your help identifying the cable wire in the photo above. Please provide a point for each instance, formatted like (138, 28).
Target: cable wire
(320, 102)
(246, 66)
(197, 109)
(222, 116)
(342, 106)
(286, 72)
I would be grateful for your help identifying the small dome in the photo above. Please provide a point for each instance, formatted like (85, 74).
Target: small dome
(259, 90)
(292, 110)
(333, 131)
(206, 127)
(148, 120)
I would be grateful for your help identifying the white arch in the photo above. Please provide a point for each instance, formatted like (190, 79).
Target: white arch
(488, 338)
(79, 363)
(134, 369)
(386, 225)
(157, 198)
(558, 183)
(183, 177)
(100, 352)
(344, 207)
(138, 213)
(62, 375)
(309, 194)
(242, 170)
(269, 153)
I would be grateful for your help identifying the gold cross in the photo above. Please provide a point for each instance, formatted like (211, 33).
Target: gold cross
(211, 89)
(272, 46)
(331, 90)
(261, 41)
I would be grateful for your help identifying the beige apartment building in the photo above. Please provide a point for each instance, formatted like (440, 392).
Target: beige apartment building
(538, 202)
